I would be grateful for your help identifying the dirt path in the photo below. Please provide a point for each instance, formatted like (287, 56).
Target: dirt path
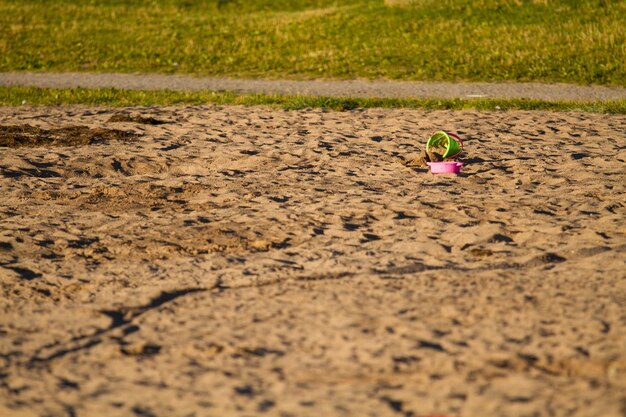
(353, 88)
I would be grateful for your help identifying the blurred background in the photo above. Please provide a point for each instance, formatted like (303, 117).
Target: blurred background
(581, 42)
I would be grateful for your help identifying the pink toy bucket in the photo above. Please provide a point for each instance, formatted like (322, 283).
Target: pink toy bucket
(445, 167)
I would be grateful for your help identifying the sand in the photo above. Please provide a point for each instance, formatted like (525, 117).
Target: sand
(239, 261)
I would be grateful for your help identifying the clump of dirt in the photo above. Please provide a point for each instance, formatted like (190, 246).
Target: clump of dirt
(434, 154)
(32, 136)
(480, 252)
(127, 118)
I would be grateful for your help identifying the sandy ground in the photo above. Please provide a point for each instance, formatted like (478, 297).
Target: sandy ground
(351, 88)
(242, 261)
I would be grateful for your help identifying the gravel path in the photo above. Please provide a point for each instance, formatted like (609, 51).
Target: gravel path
(353, 88)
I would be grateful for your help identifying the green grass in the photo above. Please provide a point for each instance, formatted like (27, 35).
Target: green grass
(15, 96)
(576, 41)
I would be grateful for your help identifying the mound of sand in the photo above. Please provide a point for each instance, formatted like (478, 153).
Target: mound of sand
(32, 136)
(249, 261)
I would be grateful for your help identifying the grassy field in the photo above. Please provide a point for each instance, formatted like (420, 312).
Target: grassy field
(14, 96)
(576, 41)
